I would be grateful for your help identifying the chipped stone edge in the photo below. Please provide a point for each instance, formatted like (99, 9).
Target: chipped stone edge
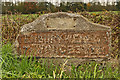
(43, 17)
(78, 15)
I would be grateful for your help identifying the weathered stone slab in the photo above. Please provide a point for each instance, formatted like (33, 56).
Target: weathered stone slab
(64, 35)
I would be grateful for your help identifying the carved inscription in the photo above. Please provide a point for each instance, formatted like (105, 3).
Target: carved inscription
(65, 44)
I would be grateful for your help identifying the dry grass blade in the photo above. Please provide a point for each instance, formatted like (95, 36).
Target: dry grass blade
(62, 69)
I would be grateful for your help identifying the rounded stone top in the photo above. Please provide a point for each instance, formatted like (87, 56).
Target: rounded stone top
(61, 21)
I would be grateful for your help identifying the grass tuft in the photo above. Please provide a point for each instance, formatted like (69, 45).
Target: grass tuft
(29, 67)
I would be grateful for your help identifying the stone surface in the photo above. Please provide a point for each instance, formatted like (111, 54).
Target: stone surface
(64, 35)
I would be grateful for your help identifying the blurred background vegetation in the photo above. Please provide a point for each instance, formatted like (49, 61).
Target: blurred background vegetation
(46, 7)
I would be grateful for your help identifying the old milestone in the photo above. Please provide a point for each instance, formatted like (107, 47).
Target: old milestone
(64, 35)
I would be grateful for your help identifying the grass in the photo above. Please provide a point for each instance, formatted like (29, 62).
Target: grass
(13, 67)
(11, 25)
(99, 12)
(21, 15)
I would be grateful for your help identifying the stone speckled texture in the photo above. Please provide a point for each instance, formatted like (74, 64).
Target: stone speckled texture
(61, 21)
(64, 35)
